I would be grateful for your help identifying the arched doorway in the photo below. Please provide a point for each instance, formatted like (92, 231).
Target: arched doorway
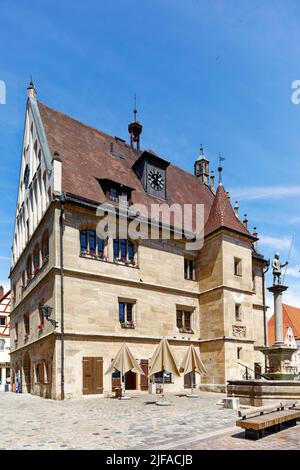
(27, 373)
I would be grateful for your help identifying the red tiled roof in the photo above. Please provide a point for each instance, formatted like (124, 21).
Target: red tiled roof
(222, 215)
(86, 157)
(291, 317)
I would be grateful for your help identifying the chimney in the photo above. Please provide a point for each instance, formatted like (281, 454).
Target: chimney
(212, 181)
(236, 209)
(31, 91)
(245, 221)
(201, 168)
(1, 292)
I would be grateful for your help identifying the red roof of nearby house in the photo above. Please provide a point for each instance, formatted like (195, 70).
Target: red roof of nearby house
(86, 157)
(291, 317)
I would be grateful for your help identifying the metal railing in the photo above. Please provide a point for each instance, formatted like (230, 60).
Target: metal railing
(247, 376)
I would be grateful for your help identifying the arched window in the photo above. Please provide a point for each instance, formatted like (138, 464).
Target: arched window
(36, 258)
(29, 268)
(45, 247)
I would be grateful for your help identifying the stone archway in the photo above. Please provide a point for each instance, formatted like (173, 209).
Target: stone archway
(27, 373)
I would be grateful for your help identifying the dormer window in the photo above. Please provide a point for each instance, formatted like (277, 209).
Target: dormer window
(115, 191)
(113, 194)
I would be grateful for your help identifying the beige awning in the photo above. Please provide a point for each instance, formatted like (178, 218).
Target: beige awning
(163, 360)
(124, 362)
(192, 362)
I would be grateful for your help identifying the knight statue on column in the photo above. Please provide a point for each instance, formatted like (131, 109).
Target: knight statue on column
(277, 269)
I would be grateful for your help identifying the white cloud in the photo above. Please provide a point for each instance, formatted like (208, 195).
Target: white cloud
(264, 192)
(293, 271)
(279, 243)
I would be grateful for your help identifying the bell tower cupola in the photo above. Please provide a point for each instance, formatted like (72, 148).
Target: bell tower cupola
(201, 167)
(135, 129)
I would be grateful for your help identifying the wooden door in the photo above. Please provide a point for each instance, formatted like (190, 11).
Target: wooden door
(92, 372)
(130, 380)
(144, 380)
(98, 374)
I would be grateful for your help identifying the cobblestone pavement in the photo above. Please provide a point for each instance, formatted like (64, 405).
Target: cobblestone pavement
(30, 422)
(288, 439)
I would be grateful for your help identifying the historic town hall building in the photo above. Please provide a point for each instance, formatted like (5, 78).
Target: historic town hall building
(77, 297)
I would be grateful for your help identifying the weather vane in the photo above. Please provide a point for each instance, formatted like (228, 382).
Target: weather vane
(220, 169)
(135, 110)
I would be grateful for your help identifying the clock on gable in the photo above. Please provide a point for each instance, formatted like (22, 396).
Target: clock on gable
(156, 180)
(152, 172)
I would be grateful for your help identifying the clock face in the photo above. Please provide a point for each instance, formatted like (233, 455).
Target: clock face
(156, 180)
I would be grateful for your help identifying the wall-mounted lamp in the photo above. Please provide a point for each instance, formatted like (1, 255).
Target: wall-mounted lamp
(46, 311)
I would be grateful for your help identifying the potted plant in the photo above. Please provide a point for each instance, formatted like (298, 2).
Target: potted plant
(130, 324)
(185, 329)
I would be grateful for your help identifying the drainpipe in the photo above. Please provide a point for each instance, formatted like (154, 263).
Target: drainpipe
(265, 310)
(62, 201)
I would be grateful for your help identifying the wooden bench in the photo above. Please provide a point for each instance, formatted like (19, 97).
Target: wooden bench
(255, 421)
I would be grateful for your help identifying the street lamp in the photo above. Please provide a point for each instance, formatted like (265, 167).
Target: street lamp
(46, 311)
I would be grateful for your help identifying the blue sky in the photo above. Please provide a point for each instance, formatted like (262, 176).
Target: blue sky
(211, 72)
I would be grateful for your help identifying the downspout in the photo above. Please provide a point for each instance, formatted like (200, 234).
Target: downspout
(62, 200)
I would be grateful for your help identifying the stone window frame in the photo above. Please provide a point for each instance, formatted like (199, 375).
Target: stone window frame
(129, 244)
(238, 267)
(238, 312)
(131, 323)
(90, 227)
(189, 275)
(26, 321)
(186, 309)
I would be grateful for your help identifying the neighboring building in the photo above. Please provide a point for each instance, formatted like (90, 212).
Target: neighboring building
(291, 334)
(5, 303)
(121, 289)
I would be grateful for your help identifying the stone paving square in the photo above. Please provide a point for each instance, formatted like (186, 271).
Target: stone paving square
(31, 422)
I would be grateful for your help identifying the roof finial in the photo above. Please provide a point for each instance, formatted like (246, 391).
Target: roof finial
(135, 110)
(31, 91)
(220, 169)
(201, 150)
